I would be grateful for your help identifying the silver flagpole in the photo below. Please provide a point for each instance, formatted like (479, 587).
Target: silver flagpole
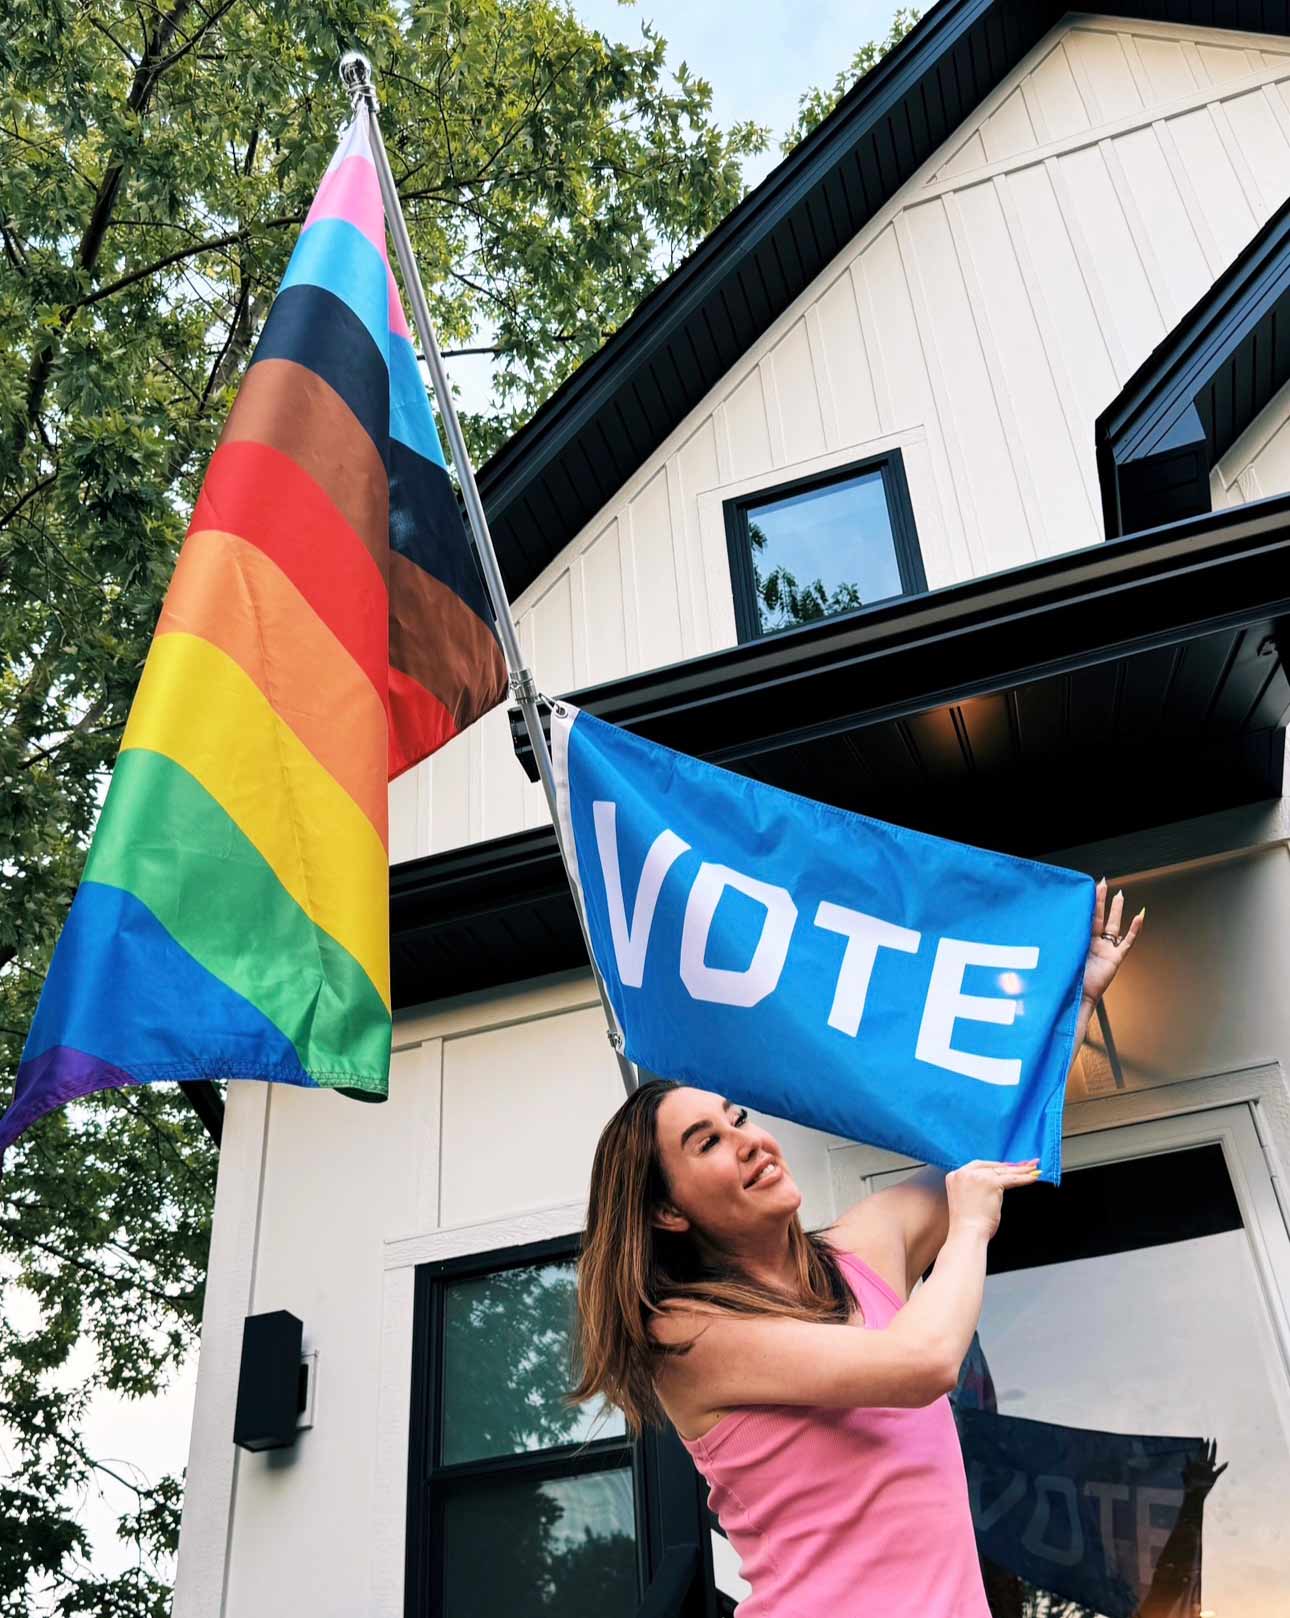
(356, 76)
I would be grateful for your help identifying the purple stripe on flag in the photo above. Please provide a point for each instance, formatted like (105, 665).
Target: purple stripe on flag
(55, 1077)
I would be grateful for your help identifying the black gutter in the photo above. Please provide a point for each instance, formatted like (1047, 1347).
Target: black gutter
(208, 1104)
(896, 659)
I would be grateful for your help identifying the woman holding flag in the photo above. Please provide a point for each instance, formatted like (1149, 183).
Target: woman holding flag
(832, 1457)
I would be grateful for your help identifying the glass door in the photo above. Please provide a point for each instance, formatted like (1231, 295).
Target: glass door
(1125, 1415)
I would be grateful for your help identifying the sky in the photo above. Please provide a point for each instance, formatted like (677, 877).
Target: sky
(759, 56)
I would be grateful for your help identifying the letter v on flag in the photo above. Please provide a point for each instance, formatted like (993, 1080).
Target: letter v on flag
(326, 627)
(868, 980)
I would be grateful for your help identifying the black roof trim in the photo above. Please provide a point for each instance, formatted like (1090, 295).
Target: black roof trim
(472, 918)
(598, 428)
(205, 1100)
(1198, 390)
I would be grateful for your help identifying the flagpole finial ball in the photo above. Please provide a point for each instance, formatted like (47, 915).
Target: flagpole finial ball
(356, 73)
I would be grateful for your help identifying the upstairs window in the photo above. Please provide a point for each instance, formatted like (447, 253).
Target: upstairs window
(819, 546)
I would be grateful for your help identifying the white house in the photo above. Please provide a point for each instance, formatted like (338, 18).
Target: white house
(1001, 351)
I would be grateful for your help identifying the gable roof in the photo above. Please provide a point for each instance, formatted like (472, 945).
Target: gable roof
(584, 443)
(1198, 390)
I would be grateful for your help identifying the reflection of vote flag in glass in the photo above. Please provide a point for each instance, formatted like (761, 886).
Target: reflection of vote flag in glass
(325, 628)
(875, 982)
(1110, 1520)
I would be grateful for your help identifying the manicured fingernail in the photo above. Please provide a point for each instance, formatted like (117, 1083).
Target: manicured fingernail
(1119, 893)
(1143, 912)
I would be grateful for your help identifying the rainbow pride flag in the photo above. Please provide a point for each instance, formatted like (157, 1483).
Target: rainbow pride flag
(325, 629)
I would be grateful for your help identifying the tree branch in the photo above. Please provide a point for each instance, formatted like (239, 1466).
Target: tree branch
(168, 1298)
(212, 244)
(82, 724)
(157, 58)
(35, 489)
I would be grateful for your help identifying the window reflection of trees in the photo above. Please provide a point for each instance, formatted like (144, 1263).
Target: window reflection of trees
(784, 603)
(564, 1546)
(507, 1366)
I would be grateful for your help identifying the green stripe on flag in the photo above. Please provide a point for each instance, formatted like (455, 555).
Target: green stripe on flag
(163, 838)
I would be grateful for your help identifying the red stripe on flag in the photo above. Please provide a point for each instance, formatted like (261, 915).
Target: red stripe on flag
(263, 497)
(419, 723)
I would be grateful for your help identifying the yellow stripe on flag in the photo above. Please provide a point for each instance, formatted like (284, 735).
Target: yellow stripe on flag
(198, 707)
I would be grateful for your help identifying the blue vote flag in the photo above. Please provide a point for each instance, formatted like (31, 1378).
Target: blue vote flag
(875, 982)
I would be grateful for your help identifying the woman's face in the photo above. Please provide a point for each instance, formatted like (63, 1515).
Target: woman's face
(727, 1174)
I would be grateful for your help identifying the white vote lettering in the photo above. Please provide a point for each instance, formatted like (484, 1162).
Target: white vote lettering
(719, 984)
(865, 936)
(1106, 1494)
(1069, 1550)
(631, 941)
(1153, 1536)
(946, 1002)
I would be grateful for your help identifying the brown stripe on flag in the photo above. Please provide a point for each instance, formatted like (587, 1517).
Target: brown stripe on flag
(290, 408)
(442, 644)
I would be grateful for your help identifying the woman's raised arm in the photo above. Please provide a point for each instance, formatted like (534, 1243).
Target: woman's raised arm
(737, 1360)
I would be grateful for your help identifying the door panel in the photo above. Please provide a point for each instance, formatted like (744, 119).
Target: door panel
(1132, 1317)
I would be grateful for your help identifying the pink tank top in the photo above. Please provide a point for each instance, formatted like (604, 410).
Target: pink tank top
(858, 1513)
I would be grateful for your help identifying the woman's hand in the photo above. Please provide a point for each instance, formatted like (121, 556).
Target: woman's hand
(975, 1192)
(1104, 955)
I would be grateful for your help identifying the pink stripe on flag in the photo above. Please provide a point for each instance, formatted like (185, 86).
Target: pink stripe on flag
(398, 320)
(352, 193)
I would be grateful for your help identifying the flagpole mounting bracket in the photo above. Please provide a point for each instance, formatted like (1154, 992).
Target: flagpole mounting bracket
(523, 686)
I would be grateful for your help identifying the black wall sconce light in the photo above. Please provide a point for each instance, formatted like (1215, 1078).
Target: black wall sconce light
(275, 1384)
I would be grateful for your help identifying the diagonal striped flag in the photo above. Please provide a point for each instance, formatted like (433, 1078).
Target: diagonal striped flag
(325, 629)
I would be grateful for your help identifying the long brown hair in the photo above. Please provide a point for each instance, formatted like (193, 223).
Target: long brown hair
(630, 1268)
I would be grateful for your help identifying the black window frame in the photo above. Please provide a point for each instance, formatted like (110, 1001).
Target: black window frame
(673, 1546)
(900, 514)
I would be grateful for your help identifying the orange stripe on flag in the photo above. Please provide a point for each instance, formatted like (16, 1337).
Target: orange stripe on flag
(231, 594)
(262, 496)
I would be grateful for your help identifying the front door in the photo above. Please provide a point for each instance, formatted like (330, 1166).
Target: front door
(1126, 1418)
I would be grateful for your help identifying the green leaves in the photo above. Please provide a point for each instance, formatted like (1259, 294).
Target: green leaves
(815, 105)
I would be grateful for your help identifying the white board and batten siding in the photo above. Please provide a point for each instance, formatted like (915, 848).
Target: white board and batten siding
(979, 323)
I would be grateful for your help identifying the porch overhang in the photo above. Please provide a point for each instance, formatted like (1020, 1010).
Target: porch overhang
(1126, 685)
